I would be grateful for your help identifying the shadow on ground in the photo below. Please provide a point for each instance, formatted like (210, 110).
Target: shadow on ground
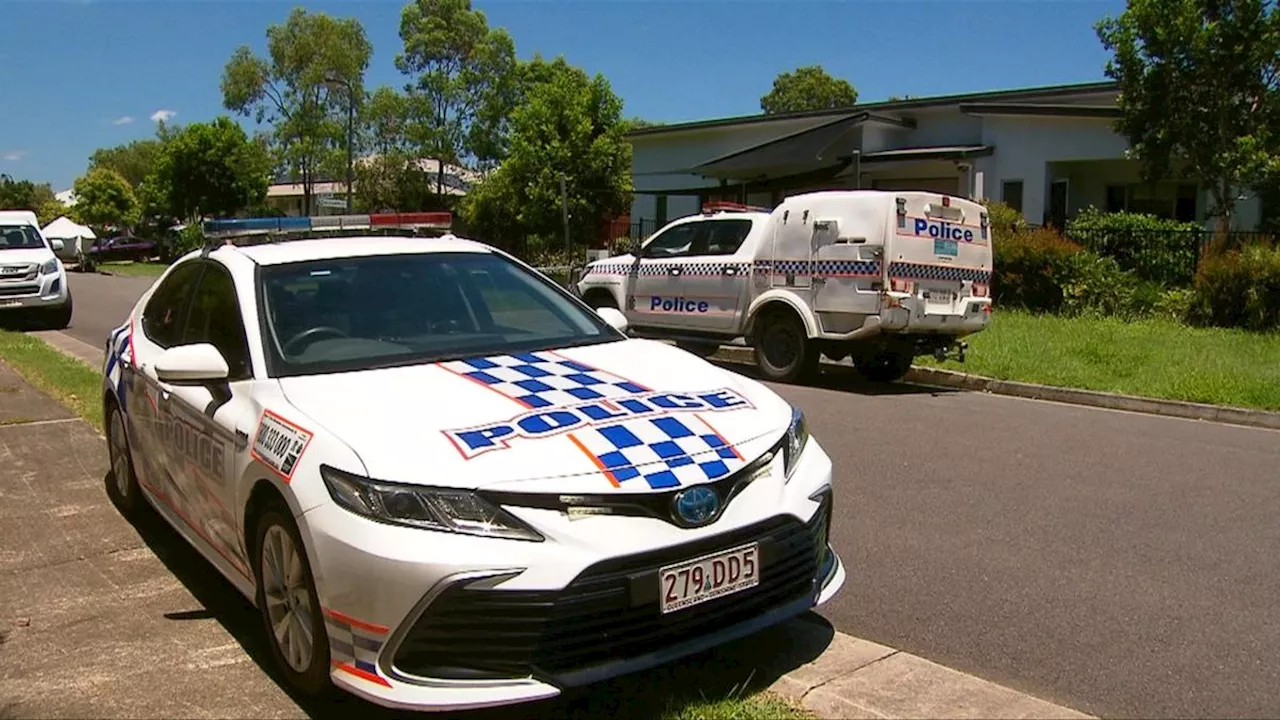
(736, 669)
(842, 379)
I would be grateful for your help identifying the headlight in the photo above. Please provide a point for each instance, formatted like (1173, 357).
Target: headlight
(49, 267)
(797, 438)
(445, 510)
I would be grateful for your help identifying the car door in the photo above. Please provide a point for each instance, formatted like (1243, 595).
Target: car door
(210, 422)
(715, 277)
(656, 285)
(161, 327)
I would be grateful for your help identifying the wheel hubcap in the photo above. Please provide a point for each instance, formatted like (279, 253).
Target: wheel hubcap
(119, 454)
(288, 604)
(780, 347)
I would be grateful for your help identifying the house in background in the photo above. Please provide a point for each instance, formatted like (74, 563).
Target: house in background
(1049, 152)
(329, 196)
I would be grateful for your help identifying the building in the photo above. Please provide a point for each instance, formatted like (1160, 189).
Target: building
(329, 196)
(1049, 152)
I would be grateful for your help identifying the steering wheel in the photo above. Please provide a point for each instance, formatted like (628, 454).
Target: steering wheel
(305, 334)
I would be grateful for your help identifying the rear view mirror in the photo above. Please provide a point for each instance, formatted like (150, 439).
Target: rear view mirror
(57, 245)
(614, 317)
(191, 365)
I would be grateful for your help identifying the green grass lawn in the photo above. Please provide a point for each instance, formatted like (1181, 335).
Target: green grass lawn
(144, 269)
(1160, 359)
(70, 381)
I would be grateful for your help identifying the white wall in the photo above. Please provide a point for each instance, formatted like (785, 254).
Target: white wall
(1025, 145)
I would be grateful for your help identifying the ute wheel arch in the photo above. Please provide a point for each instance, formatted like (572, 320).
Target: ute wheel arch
(782, 350)
(780, 301)
(600, 297)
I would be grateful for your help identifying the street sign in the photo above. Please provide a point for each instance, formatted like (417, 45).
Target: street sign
(332, 202)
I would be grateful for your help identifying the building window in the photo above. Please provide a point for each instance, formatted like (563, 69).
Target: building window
(1116, 198)
(661, 210)
(1184, 208)
(1011, 194)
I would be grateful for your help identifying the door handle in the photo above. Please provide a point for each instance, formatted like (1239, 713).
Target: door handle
(729, 270)
(673, 270)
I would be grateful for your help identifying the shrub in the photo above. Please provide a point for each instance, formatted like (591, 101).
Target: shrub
(1032, 268)
(1159, 250)
(1003, 219)
(1239, 288)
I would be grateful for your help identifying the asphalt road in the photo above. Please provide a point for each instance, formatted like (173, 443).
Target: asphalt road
(1125, 565)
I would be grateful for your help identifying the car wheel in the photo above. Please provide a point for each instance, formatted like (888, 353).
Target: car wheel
(122, 483)
(289, 605)
(60, 317)
(885, 366)
(782, 348)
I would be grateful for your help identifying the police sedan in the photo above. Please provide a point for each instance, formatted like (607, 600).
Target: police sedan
(445, 482)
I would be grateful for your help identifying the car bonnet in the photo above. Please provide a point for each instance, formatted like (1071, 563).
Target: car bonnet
(627, 416)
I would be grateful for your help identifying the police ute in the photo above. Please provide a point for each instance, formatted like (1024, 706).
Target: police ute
(445, 481)
(879, 277)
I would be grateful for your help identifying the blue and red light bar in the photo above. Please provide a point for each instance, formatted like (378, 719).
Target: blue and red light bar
(726, 206)
(429, 220)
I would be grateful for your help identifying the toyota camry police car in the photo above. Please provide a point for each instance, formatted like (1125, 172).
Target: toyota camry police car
(444, 481)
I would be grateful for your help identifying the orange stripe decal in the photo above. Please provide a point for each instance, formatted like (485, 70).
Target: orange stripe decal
(717, 433)
(340, 617)
(595, 460)
(362, 674)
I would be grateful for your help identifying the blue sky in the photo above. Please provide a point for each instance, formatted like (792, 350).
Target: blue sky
(83, 74)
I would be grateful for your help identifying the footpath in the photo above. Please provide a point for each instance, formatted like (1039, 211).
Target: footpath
(102, 618)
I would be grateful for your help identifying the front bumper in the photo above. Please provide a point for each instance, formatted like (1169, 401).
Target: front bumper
(430, 621)
(34, 291)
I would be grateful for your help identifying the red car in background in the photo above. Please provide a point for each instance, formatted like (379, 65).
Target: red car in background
(122, 247)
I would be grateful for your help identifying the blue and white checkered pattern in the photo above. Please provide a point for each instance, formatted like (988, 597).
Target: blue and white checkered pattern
(664, 452)
(357, 646)
(822, 268)
(544, 379)
(118, 353)
(609, 269)
(916, 271)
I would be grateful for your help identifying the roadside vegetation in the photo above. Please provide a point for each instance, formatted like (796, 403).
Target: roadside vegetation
(1152, 358)
(136, 269)
(70, 381)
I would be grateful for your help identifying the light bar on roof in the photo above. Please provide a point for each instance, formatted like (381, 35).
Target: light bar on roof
(725, 206)
(243, 226)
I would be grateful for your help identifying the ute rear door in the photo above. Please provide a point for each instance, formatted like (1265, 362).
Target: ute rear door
(940, 251)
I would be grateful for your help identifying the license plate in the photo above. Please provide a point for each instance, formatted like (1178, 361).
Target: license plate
(946, 247)
(709, 577)
(938, 296)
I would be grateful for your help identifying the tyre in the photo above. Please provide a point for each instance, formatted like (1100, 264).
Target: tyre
(288, 603)
(122, 483)
(783, 351)
(885, 366)
(701, 349)
(59, 318)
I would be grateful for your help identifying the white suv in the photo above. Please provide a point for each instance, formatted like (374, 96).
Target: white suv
(32, 279)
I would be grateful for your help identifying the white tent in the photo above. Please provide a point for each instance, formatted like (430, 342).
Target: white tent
(71, 233)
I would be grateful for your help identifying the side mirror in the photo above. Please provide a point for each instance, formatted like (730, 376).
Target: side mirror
(57, 245)
(191, 365)
(615, 318)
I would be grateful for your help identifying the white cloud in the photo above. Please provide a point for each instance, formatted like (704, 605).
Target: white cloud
(163, 115)
(14, 155)
(125, 120)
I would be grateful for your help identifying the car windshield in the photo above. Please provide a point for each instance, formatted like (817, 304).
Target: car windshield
(359, 313)
(19, 237)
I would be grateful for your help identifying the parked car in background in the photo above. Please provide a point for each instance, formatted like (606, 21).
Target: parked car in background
(33, 282)
(123, 247)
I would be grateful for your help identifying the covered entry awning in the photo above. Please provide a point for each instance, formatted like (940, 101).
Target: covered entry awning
(945, 152)
(828, 145)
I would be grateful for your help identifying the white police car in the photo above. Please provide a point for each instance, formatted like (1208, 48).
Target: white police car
(32, 280)
(446, 482)
(880, 277)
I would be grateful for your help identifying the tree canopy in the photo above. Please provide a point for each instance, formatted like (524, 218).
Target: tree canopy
(26, 195)
(462, 69)
(315, 66)
(1199, 83)
(133, 161)
(805, 89)
(104, 198)
(209, 169)
(568, 125)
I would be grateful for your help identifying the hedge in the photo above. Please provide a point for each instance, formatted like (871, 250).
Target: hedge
(1159, 250)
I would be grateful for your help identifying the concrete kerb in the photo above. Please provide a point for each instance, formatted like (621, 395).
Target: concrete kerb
(851, 677)
(1092, 398)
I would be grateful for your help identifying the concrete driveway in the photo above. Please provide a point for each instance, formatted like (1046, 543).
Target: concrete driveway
(1117, 563)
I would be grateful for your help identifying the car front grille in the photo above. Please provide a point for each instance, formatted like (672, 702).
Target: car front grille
(18, 290)
(609, 614)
